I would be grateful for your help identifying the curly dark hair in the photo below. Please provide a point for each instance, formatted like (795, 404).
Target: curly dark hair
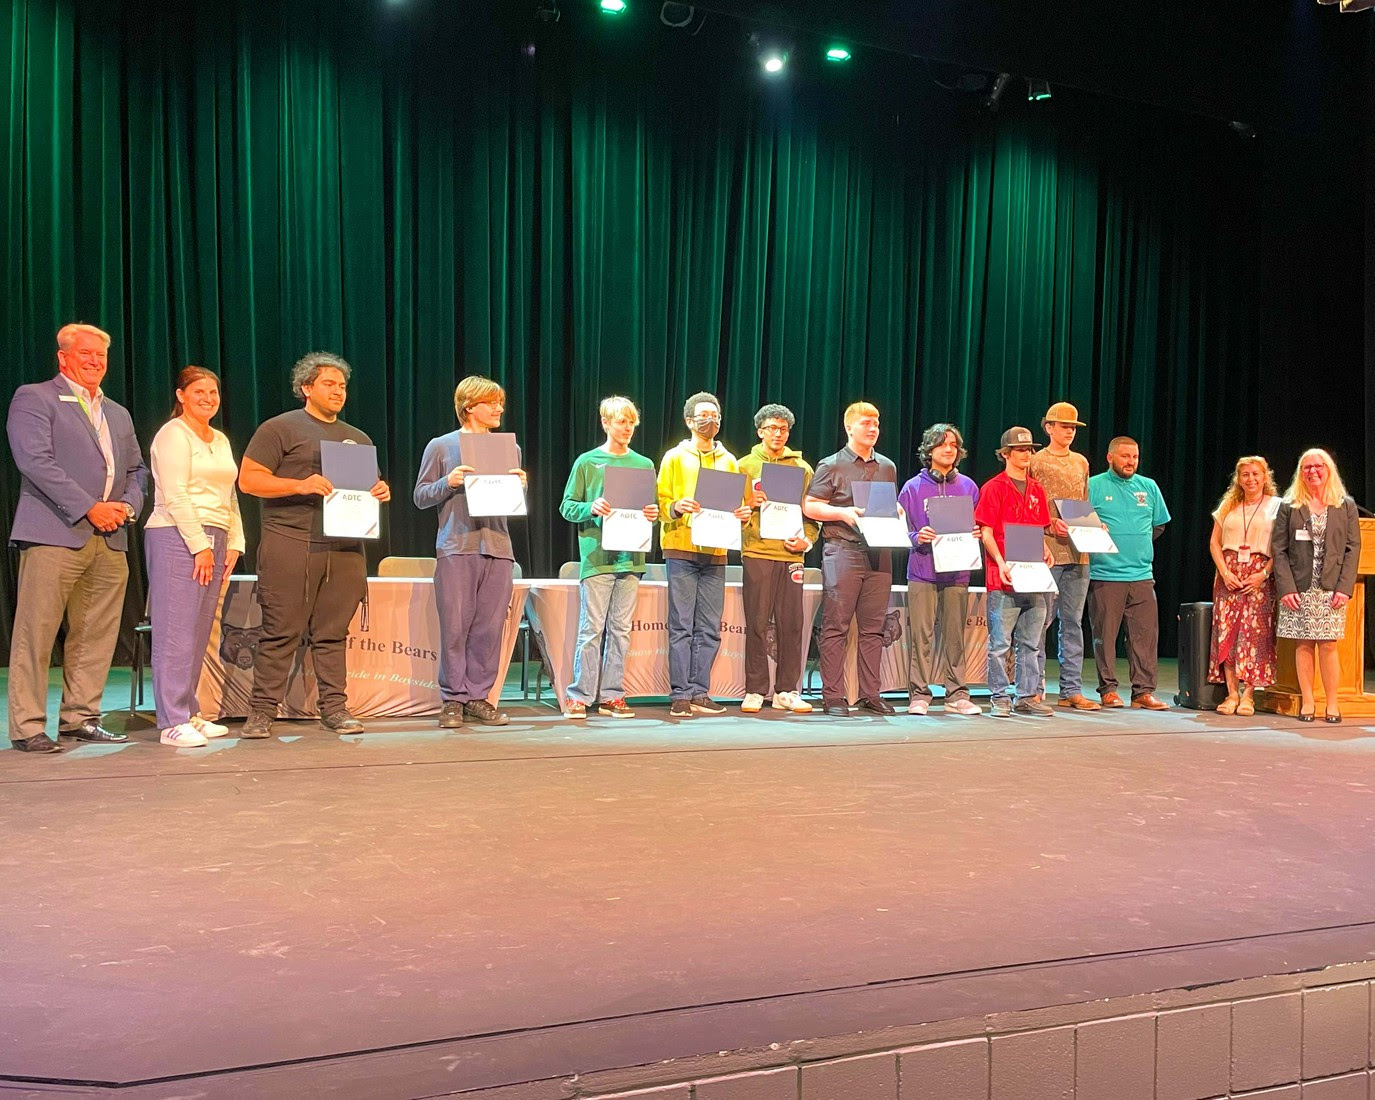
(933, 437)
(774, 412)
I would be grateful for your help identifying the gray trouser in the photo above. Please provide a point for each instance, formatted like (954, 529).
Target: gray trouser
(935, 634)
(87, 586)
(1111, 603)
(472, 594)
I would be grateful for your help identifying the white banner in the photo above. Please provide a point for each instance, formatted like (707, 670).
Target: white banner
(393, 665)
(553, 616)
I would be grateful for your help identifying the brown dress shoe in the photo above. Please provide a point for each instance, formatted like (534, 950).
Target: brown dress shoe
(1112, 700)
(1149, 702)
(1079, 702)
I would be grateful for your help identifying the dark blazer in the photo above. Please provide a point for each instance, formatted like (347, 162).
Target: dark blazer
(1293, 557)
(63, 469)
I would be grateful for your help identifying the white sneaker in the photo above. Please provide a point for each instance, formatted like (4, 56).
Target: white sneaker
(918, 706)
(184, 736)
(791, 701)
(753, 703)
(207, 728)
(963, 706)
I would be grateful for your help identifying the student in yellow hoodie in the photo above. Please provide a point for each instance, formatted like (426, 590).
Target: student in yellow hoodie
(696, 575)
(773, 575)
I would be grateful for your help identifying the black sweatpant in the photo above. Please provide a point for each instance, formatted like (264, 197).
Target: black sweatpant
(770, 594)
(306, 589)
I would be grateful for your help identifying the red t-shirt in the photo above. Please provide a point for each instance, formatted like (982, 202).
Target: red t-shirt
(999, 504)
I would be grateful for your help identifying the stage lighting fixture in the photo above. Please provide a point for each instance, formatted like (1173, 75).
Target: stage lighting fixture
(995, 93)
(675, 15)
(613, 7)
(772, 51)
(1357, 5)
(1037, 90)
(547, 11)
(837, 53)
(1245, 129)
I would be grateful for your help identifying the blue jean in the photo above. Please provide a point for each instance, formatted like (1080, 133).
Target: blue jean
(1073, 582)
(696, 601)
(1021, 618)
(606, 609)
(182, 613)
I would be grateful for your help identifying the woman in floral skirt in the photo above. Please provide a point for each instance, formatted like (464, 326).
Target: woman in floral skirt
(1243, 647)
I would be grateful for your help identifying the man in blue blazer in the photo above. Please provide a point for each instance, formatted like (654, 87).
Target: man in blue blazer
(83, 484)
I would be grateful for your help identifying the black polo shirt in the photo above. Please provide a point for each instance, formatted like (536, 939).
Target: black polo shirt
(835, 475)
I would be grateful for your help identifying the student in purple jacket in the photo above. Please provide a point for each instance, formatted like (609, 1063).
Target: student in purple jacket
(936, 602)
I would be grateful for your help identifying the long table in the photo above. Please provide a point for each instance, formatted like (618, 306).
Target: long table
(553, 615)
(393, 663)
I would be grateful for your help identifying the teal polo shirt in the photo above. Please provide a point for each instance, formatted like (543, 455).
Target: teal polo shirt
(1131, 508)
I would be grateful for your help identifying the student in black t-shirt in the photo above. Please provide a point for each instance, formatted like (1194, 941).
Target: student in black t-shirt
(306, 582)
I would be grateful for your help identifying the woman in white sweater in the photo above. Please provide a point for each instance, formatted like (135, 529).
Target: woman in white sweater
(193, 539)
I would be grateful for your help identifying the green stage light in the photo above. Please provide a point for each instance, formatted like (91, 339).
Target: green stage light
(613, 7)
(838, 53)
(1037, 90)
(774, 61)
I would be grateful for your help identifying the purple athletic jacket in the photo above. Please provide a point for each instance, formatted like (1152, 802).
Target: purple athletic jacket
(913, 500)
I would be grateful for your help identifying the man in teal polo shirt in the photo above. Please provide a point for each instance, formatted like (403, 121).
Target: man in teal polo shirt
(1122, 585)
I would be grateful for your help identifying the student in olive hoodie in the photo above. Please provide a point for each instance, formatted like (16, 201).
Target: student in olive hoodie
(773, 575)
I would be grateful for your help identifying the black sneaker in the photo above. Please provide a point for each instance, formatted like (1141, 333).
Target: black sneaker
(705, 704)
(451, 715)
(485, 713)
(681, 708)
(341, 721)
(257, 726)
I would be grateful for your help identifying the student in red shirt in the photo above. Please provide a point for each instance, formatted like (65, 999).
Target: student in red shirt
(1013, 496)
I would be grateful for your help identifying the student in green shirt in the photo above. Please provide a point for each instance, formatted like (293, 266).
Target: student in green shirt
(610, 579)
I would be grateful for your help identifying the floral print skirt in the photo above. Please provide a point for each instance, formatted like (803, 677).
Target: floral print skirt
(1243, 626)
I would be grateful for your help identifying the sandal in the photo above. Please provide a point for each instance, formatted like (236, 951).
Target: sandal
(1228, 705)
(1246, 707)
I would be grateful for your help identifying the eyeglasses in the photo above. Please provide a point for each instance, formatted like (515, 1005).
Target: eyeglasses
(1312, 469)
(707, 419)
(779, 429)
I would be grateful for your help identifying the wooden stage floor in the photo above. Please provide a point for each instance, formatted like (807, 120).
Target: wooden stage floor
(509, 905)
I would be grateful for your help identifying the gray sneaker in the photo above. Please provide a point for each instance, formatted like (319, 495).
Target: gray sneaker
(1001, 708)
(1033, 708)
(485, 713)
(257, 726)
(341, 721)
(451, 715)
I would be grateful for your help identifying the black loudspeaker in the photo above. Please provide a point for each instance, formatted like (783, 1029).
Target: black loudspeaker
(1195, 640)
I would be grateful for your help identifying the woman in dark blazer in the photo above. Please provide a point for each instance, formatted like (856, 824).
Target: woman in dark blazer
(1315, 544)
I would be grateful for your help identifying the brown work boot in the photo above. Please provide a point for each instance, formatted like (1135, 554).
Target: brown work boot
(1111, 700)
(1147, 701)
(1078, 701)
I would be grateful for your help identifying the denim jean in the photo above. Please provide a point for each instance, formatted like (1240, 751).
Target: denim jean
(1020, 618)
(1073, 582)
(606, 612)
(696, 601)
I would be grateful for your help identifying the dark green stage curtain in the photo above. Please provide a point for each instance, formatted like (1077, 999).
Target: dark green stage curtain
(635, 212)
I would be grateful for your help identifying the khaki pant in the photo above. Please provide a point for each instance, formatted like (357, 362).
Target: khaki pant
(936, 616)
(87, 587)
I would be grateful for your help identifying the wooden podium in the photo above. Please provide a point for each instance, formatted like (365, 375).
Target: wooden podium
(1352, 700)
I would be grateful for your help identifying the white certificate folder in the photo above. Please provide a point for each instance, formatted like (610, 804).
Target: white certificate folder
(780, 516)
(1086, 531)
(718, 494)
(492, 490)
(351, 511)
(1024, 550)
(879, 521)
(629, 490)
(955, 549)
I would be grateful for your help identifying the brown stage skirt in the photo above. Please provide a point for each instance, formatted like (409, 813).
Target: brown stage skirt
(1243, 626)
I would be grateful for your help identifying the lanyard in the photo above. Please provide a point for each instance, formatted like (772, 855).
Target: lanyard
(1246, 523)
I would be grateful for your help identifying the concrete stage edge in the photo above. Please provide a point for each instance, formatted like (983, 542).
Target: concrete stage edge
(577, 909)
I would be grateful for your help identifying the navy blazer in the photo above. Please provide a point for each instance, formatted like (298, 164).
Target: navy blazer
(58, 454)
